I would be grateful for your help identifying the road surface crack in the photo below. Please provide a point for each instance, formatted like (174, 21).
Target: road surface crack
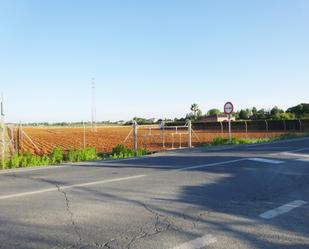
(71, 215)
(162, 224)
(105, 244)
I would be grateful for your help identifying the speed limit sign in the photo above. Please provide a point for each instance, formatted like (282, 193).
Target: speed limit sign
(228, 108)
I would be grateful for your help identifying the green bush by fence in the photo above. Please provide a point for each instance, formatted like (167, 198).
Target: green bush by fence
(121, 151)
(58, 156)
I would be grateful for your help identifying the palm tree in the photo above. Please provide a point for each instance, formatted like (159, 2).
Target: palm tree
(194, 108)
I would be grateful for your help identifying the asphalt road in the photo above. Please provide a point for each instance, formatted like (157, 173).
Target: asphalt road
(225, 197)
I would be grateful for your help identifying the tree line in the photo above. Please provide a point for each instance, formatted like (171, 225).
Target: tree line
(300, 111)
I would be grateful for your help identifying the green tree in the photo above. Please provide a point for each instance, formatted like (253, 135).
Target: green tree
(254, 111)
(286, 116)
(300, 111)
(276, 111)
(244, 114)
(213, 111)
(197, 113)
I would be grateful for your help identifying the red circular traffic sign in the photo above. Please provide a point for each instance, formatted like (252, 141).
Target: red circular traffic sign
(228, 108)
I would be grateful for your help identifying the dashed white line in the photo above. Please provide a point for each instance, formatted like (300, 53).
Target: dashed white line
(282, 209)
(211, 164)
(263, 160)
(294, 154)
(69, 187)
(198, 243)
(290, 153)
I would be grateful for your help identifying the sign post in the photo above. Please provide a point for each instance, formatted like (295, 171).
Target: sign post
(228, 110)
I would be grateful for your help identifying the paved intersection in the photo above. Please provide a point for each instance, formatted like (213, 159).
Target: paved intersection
(254, 196)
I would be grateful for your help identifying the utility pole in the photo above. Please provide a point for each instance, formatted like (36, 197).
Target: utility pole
(93, 106)
(2, 131)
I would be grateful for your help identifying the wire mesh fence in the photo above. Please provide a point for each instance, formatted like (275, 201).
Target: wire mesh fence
(42, 139)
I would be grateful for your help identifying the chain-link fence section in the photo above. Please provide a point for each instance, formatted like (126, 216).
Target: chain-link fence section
(163, 136)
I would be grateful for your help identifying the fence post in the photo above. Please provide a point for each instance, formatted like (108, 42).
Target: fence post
(163, 133)
(284, 125)
(135, 135)
(16, 134)
(246, 129)
(221, 128)
(189, 134)
(84, 128)
(266, 125)
(299, 125)
(230, 128)
(12, 140)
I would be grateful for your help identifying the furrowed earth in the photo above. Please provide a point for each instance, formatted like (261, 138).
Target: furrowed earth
(41, 140)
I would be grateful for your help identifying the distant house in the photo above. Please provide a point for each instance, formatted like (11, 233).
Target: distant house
(217, 118)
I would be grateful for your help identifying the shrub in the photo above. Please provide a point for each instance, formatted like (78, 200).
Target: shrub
(219, 141)
(141, 152)
(34, 161)
(121, 151)
(25, 159)
(234, 140)
(120, 148)
(88, 154)
(72, 156)
(14, 161)
(5, 164)
(45, 160)
(57, 156)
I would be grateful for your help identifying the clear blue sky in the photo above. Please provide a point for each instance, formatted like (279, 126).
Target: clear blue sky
(150, 58)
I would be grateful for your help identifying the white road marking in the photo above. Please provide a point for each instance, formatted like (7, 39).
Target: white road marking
(70, 186)
(291, 152)
(294, 154)
(198, 243)
(263, 160)
(211, 164)
(282, 209)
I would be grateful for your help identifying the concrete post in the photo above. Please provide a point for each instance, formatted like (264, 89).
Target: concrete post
(284, 125)
(246, 129)
(84, 139)
(163, 133)
(230, 129)
(135, 135)
(189, 134)
(266, 125)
